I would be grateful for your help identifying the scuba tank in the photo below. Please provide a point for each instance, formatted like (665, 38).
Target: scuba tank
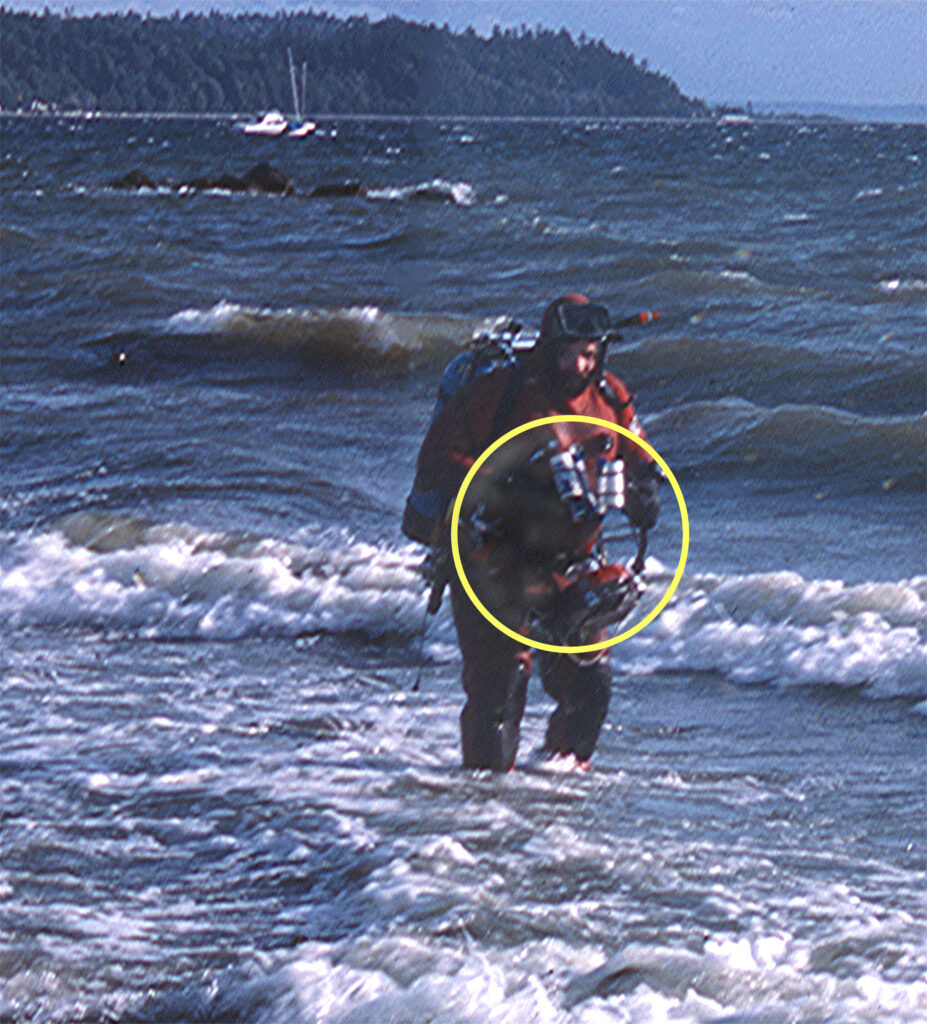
(489, 351)
(504, 345)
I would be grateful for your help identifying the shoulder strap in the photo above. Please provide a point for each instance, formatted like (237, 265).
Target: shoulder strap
(513, 388)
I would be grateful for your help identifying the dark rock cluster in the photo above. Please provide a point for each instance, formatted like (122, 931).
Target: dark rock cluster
(262, 179)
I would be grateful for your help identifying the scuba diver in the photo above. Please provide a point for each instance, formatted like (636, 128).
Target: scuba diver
(530, 534)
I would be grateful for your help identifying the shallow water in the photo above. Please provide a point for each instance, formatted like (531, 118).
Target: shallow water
(223, 795)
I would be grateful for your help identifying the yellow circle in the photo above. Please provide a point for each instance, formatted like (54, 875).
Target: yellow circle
(602, 644)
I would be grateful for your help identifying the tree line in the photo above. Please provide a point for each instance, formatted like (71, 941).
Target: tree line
(236, 63)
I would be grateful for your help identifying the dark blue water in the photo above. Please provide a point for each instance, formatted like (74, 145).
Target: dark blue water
(221, 796)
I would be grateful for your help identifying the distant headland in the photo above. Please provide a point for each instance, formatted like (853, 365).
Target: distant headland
(216, 63)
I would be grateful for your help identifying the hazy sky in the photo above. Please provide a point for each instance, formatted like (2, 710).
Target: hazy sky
(864, 52)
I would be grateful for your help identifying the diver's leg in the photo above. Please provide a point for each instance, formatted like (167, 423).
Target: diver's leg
(495, 680)
(582, 694)
(491, 718)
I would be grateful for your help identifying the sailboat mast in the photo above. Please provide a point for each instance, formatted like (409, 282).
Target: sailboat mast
(289, 55)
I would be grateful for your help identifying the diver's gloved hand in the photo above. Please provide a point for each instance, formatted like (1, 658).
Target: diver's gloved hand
(641, 501)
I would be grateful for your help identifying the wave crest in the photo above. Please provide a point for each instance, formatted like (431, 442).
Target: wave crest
(799, 441)
(785, 629)
(362, 335)
(176, 581)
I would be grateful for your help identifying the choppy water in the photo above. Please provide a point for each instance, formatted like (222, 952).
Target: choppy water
(223, 796)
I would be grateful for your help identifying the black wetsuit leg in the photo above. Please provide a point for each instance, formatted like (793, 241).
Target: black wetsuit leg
(582, 693)
(495, 680)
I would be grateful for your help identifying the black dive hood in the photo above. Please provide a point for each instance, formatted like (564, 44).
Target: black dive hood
(567, 320)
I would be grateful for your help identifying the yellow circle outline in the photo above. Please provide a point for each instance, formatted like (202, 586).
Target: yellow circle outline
(602, 644)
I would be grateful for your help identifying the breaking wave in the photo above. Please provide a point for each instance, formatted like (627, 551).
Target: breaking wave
(668, 370)
(439, 190)
(365, 335)
(782, 628)
(904, 289)
(170, 581)
(399, 978)
(459, 193)
(175, 581)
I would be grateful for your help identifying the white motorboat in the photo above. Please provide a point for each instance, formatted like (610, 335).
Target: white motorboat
(272, 123)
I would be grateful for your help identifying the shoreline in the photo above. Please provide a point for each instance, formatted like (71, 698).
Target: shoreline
(726, 118)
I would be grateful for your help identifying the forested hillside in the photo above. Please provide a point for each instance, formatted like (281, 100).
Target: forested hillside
(199, 63)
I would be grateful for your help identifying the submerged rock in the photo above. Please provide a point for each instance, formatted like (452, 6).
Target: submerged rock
(340, 188)
(260, 180)
(134, 179)
(264, 178)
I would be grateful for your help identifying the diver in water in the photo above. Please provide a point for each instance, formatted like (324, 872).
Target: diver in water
(531, 526)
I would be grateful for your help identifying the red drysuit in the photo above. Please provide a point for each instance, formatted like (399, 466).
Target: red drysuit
(515, 531)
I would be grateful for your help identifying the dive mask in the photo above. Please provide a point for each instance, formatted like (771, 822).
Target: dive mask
(582, 321)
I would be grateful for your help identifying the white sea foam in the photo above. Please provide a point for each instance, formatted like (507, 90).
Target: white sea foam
(781, 628)
(233, 317)
(738, 277)
(460, 193)
(174, 580)
(404, 978)
(204, 321)
(896, 286)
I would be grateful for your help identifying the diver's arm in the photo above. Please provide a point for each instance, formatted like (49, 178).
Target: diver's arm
(641, 499)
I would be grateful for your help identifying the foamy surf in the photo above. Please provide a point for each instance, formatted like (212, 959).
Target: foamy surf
(173, 580)
(783, 629)
(459, 193)
(912, 289)
(400, 976)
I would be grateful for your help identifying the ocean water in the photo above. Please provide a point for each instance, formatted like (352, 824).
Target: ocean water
(229, 782)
